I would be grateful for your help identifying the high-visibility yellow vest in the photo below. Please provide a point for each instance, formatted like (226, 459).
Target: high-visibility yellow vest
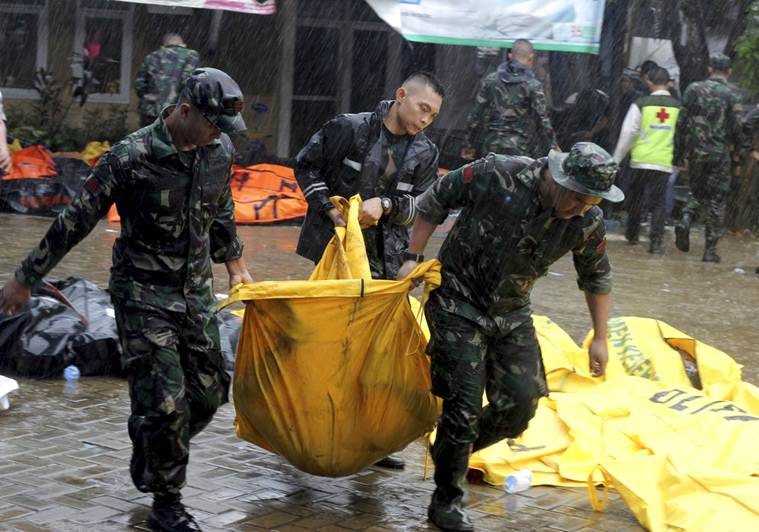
(658, 118)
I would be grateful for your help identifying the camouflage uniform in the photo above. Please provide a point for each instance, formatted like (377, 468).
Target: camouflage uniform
(509, 107)
(707, 128)
(160, 78)
(177, 215)
(480, 318)
(356, 154)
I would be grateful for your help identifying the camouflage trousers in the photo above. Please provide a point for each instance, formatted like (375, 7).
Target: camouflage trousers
(505, 145)
(709, 184)
(177, 381)
(466, 361)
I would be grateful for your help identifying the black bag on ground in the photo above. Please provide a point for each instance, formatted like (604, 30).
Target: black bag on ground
(65, 322)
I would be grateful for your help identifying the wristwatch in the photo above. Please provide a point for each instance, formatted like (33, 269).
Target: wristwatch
(387, 204)
(413, 256)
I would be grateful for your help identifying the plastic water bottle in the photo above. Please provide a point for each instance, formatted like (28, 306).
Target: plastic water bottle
(519, 481)
(71, 373)
(71, 386)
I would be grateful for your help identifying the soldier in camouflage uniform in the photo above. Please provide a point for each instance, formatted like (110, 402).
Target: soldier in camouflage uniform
(170, 183)
(386, 158)
(708, 129)
(161, 76)
(509, 106)
(518, 217)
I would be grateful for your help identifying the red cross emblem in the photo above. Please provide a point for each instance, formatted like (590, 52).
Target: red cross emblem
(662, 115)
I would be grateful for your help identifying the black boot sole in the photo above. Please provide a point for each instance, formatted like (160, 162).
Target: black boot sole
(449, 528)
(391, 463)
(155, 525)
(682, 239)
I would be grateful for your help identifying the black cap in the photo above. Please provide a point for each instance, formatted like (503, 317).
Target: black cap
(218, 97)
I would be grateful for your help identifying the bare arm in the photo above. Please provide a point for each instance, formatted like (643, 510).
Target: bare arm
(238, 272)
(420, 235)
(598, 306)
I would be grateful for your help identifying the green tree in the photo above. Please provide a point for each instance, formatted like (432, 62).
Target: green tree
(747, 49)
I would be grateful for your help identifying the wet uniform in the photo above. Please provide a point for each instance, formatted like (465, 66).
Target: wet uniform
(708, 126)
(177, 215)
(357, 154)
(160, 78)
(509, 106)
(480, 318)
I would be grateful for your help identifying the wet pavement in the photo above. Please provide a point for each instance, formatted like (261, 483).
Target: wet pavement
(64, 449)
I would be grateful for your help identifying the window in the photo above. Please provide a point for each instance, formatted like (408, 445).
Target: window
(23, 45)
(103, 49)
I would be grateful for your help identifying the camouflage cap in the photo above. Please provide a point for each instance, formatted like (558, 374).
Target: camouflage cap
(217, 97)
(587, 169)
(719, 62)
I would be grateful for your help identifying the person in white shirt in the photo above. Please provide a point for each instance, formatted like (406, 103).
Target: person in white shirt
(5, 156)
(648, 134)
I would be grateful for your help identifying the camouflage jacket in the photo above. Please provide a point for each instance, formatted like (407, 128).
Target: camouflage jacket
(509, 106)
(176, 214)
(348, 156)
(504, 240)
(161, 75)
(709, 122)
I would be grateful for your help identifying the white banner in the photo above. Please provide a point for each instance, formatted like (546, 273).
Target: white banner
(561, 25)
(256, 7)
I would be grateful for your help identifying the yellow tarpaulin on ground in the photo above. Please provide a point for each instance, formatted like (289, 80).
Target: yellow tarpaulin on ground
(679, 456)
(331, 373)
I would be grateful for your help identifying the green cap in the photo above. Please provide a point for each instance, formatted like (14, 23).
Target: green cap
(719, 62)
(587, 169)
(217, 97)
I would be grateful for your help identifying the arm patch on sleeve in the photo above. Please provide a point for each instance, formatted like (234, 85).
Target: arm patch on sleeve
(92, 186)
(468, 174)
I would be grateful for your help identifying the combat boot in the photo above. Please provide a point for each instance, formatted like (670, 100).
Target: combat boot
(169, 515)
(449, 516)
(391, 461)
(682, 233)
(656, 247)
(710, 252)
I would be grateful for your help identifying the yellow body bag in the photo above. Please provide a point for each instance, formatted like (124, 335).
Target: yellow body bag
(681, 458)
(331, 373)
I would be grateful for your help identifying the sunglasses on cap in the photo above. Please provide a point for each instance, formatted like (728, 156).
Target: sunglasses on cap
(231, 106)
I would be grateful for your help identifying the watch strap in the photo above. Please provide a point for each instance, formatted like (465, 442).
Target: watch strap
(413, 256)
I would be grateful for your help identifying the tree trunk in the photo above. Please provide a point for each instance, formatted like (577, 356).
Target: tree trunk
(689, 40)
(613, 60)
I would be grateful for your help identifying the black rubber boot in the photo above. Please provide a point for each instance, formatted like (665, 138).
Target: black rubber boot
(451, 465)
(449, 515)
(169, 515)
(656, 247)
(392, 461)
(710, 252)
(682, 233)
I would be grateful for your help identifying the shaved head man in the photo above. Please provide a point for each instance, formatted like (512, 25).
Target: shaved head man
(385, 157)
(510, 104)
(523, 52)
